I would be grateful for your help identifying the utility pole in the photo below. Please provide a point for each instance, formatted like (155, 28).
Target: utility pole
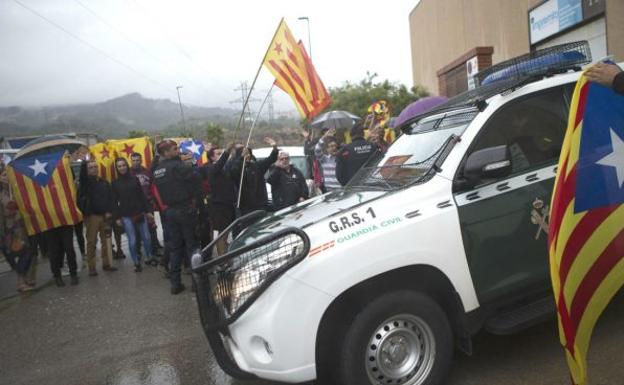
(244, 90)
(181, 109)
(307, 19)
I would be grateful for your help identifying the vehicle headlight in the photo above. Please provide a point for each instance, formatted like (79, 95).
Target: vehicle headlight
(256, 267)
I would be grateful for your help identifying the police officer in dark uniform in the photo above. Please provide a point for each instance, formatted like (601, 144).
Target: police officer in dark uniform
(175, 182)
(352, 157)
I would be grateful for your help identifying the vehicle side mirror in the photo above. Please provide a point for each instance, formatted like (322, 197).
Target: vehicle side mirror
(488, 163)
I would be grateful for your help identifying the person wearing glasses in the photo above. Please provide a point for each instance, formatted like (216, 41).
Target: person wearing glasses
(287, 182)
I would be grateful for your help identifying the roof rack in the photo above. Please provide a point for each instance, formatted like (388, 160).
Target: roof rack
(514, 73)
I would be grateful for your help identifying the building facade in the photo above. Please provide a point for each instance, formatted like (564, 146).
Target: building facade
(451, 40)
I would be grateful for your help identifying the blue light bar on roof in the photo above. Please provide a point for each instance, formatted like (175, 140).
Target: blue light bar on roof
(547, 61)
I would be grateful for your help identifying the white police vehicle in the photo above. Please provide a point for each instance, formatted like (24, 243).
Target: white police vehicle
(442, 236)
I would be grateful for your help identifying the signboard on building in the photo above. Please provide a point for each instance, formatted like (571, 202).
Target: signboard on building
(472, 68)
(554, 16)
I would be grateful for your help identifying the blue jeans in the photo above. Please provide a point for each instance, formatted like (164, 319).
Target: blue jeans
(129, 228)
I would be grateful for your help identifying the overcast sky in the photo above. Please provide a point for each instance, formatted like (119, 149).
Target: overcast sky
(207, 46)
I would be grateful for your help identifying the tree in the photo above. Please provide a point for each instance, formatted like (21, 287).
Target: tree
(214, 134)
(357, 97)
(137, 134)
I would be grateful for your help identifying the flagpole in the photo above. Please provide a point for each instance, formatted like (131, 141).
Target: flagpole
(253, 124)
(240, 119)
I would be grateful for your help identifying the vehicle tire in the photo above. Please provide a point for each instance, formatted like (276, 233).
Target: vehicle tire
(400, 338)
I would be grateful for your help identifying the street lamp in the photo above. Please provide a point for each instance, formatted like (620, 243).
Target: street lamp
(307, 19)
(181, 110)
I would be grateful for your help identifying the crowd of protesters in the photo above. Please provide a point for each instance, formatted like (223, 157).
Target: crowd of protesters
(193, 202)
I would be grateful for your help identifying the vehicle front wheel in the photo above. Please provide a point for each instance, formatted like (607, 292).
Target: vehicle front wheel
(402, 337)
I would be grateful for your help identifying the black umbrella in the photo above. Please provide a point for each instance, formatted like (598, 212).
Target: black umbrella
(47, 144)
(335, 119)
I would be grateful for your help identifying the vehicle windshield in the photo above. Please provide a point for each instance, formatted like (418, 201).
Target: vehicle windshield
(301, 163)
(414, 153)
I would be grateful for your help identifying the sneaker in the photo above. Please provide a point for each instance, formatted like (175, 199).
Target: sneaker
(109, 268)
(73, 280)
(138, 268)
(92, 273)
(65, 271)
(58, 281)
(152, 262)
(177, 289)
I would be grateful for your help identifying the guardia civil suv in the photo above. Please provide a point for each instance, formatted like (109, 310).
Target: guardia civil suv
(443, 235)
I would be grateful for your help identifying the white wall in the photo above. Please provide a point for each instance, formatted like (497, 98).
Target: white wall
(594, 32)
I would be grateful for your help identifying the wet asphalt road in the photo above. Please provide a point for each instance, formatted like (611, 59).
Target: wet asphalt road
(124, 328)
(119, 328)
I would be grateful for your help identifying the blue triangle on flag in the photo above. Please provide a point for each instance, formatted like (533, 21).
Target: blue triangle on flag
(39, 168)
(600, 176)
(193, 146)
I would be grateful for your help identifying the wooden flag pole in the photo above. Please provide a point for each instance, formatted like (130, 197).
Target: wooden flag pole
(253, 124)
(240, 119)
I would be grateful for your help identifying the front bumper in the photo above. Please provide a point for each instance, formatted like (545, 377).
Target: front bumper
(275, 338)
(273, 333)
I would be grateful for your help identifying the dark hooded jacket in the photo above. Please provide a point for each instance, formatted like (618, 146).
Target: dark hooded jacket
(352, 157)
(129, 200)
(287, 186)
(254, 193)
(222, 187)
(618, 83)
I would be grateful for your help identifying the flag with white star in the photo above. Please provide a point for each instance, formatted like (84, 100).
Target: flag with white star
(586, 233)
(43, 186)
(195, 147)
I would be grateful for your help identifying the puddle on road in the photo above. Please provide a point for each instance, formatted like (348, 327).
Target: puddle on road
(157, 373)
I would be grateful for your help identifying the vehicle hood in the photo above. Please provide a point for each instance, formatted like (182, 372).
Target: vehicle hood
(305, 214)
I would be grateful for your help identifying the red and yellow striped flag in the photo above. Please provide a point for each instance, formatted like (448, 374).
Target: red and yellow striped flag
(586, 233)
(105, 157)
(44, 191)
(125, 147)
(294, 73)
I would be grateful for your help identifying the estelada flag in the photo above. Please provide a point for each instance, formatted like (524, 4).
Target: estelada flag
(126, 147)
(586, 232)
(195, 147)
(105, 158)
(44, 190)
(294, 73)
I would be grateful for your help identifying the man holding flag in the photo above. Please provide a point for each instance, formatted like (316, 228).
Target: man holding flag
(46, 197)
(586, 236)
(609, 75)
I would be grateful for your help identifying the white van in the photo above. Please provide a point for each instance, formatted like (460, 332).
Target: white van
(441, 237)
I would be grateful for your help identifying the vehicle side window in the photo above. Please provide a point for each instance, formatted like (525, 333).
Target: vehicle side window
(532, 127)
